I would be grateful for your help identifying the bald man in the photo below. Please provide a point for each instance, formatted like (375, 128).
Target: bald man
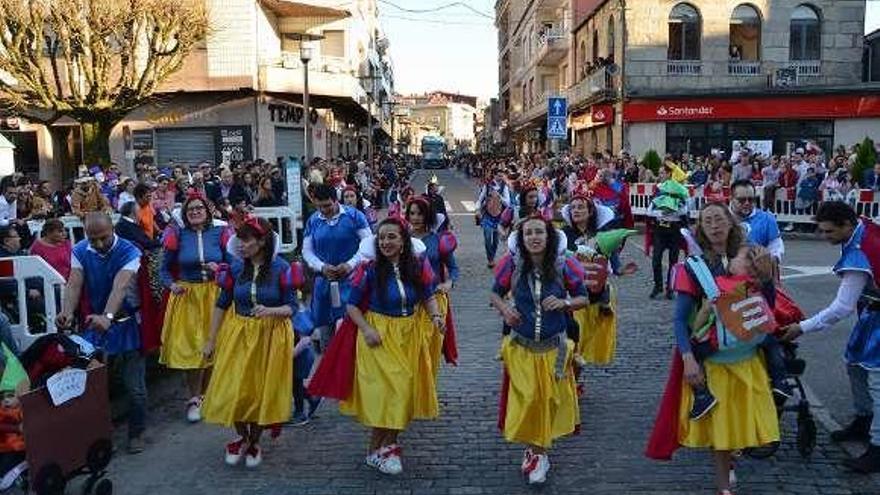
(106, 265)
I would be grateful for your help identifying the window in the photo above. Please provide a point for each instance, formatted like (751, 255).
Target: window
(583, 56)
(611, 38)
(333, 44)
(806, 34)
(745, 34)
(684, 33)
(595, 46)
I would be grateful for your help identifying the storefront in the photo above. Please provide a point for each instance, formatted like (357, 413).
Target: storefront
(779, 123)
(218, 129)
(593, 130)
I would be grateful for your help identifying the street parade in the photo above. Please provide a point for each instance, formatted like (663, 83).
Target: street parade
(213, 281)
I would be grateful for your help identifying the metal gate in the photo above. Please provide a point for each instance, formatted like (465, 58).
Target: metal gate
(189, 146)
(289, 142)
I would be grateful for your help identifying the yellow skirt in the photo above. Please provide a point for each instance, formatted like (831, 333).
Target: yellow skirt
(252, 380)
(187, 326)
(540, 408)
(745, 415)
(598, 332)
(389, 378)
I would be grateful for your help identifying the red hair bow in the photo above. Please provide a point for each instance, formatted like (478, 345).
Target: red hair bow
(254, 223)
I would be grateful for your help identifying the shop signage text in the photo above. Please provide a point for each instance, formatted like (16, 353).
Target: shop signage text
(289, 114)
(803, 107)
(232, 144)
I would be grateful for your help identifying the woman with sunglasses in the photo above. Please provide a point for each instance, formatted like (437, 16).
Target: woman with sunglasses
(192, 254)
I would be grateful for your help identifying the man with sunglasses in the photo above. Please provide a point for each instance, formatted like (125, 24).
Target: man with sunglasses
(760, 225)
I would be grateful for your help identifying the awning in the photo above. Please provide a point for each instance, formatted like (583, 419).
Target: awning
(321, 15)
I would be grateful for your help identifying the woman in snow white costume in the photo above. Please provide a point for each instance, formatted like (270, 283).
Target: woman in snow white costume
(539, 402)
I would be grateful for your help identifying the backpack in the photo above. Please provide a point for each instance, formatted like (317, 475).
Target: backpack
(871, 246)
(741, 313)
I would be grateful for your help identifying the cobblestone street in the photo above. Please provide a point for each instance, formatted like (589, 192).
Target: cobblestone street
(462, 452)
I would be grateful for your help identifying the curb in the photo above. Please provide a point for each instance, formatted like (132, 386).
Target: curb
(823, 417)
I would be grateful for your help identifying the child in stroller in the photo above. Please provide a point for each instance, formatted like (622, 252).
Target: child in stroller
(754, 262)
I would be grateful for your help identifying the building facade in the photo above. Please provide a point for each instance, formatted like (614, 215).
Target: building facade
(695, 76)
(239, 96)
(452, 115)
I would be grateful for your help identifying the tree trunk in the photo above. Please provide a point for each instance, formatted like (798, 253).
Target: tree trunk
(96, 141)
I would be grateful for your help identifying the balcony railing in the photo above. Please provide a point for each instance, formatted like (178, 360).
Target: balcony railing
(744, 67)
(806, 68)
(684, 67)
(595, 83)
(553, 45)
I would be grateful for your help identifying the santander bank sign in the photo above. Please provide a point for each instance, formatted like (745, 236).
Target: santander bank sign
(687, 111)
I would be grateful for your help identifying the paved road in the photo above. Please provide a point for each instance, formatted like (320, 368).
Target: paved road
(462, 452)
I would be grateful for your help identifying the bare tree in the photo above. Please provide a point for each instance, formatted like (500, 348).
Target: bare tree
(92, 60)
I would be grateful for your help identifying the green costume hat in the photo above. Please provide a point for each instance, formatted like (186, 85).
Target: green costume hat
(611, 240)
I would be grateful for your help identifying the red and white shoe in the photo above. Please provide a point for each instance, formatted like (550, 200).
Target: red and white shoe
(529, 462)
(538, 475)
(234, 451)
(253, 457)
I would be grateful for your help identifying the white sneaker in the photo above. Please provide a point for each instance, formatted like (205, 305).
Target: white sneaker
(538, 475)
(732, 478)
(253, 457)
(234, 451)
(194, 410)
(374, 459)
(390, 462)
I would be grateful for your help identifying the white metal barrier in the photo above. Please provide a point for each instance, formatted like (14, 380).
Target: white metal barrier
(865, 202)
(282, 218)
(28, 322)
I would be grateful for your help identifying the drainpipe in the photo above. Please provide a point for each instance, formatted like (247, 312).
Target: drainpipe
(624, 138)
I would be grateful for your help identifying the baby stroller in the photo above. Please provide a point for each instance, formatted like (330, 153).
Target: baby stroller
(806, 424)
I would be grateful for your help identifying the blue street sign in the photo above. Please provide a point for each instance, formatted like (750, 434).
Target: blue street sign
(557, 107)
(557, 118)
(557, 128)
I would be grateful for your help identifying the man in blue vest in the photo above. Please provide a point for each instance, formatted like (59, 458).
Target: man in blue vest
(762, 227)
(330, 248)
(858, 292)
(106, 266)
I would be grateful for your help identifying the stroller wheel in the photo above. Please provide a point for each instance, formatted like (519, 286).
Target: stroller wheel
(50, 480)
(806, 436)
(104, 487)
(762, 452)
(98, 455)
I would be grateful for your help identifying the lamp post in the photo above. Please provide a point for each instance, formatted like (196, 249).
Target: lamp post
(305, 55)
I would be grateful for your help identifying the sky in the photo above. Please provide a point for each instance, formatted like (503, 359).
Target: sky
(453, 49)
(456, 49)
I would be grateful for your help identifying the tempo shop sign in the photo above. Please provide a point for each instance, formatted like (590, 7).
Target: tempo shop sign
(801, 107)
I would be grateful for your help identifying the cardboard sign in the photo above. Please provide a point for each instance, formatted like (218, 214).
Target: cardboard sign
(743, 310)
(66, 385)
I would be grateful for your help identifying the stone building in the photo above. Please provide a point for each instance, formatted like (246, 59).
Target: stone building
(453, 115)
(689, 76)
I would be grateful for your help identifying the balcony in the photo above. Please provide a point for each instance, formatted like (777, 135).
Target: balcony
(590, 88)
(552, 46)
(807, 68)
(744, 67)
(684, 67)
(328, 76)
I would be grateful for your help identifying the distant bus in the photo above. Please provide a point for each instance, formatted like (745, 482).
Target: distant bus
(433, 152)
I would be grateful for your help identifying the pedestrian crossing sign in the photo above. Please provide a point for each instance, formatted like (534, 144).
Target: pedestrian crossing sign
(557, 128)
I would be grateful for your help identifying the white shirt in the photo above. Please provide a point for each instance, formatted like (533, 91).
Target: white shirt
(312, 259)
(844, 304)
(8, 211)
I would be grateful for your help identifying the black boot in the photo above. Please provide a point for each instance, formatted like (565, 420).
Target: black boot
(656, 292)
(704, 401)
(857, 431)
(869, 462)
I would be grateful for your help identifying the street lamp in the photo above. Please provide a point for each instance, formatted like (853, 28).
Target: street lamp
(305, 54)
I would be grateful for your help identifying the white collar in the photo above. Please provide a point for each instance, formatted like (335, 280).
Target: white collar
(334, 217)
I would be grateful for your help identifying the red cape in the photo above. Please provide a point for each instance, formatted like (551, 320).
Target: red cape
(664, 437)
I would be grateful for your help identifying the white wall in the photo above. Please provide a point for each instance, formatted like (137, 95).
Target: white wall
(848, 132)
(645, 136)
